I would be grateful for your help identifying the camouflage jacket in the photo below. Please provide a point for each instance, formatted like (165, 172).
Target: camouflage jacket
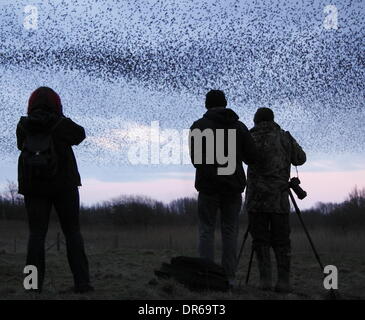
(267, 179)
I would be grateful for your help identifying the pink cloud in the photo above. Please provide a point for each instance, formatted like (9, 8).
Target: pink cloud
(160, 189)
(329, 186)
(321, 186)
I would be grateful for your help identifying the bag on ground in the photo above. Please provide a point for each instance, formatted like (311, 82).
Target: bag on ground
(197, 274)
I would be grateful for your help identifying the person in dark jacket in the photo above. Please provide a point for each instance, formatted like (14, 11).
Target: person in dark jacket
(61, 190)
(267, 197)
(219, 190)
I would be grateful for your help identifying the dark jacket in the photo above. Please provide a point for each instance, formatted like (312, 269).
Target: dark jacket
(66, 134)
(267, 182)
(207, 179)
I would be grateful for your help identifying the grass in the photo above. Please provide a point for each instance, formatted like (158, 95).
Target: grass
(122, 264)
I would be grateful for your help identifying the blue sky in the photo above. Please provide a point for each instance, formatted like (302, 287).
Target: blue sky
(123, 64)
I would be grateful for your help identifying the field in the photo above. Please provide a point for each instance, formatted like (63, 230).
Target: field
(122, 264)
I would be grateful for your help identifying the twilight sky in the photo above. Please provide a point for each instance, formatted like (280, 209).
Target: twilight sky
(119, 65)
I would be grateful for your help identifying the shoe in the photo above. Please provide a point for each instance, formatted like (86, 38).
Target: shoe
(282, 255)
(84, 288)
(264, 264)
(233, 284)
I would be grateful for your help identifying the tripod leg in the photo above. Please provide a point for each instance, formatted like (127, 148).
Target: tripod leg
(332, 292)
(250, 265)
(242, 246)
(241, 250)
(306, 230)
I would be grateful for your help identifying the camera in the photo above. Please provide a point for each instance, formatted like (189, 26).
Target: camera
(294, 184)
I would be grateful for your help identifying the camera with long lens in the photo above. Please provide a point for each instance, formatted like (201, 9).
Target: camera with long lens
(294, 184)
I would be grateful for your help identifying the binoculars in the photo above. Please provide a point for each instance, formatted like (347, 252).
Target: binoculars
(294, 184)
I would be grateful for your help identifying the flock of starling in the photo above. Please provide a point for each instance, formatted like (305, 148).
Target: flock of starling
(119, 64)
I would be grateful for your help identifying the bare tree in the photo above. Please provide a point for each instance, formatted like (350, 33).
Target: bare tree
(11, 192)
(357, 196)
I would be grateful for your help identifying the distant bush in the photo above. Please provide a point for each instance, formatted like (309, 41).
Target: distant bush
(142, 211)
(344, 216)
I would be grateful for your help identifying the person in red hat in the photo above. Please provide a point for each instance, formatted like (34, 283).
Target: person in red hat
(48, 177)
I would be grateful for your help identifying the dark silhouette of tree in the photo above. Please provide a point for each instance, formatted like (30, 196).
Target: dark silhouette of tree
(128, 211)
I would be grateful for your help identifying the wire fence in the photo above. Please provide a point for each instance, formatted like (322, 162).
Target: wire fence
(57, 243)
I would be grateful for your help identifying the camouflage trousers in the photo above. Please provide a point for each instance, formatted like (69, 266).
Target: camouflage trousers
(270, 229)
(229, 206)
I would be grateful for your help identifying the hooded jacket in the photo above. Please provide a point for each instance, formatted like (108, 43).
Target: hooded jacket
(207, 179)
(66, 134)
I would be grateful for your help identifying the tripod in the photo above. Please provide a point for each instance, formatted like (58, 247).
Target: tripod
(299, 214)
(240, 254)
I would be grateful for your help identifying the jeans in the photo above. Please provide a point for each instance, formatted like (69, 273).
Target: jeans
(230, 207)
(67, 206)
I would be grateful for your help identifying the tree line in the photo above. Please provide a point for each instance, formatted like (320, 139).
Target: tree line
(126, 211)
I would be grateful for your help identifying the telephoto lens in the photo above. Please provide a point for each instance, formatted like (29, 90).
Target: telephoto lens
(295, 185)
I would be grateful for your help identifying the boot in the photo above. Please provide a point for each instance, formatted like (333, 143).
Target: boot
(84, 288)
(264, 264)
(282, 255)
